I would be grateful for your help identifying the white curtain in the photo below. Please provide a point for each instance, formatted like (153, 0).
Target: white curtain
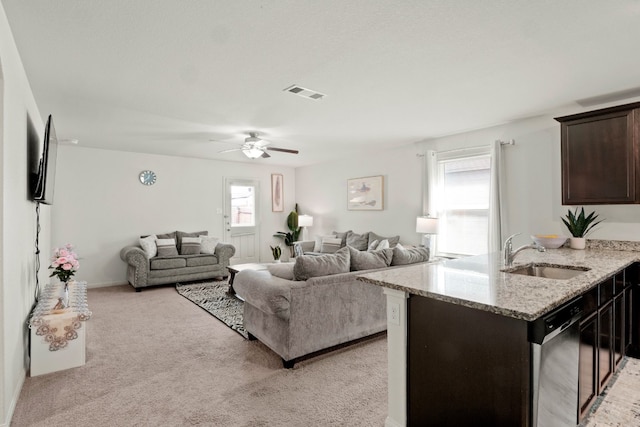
(431, 172)
(496, 208)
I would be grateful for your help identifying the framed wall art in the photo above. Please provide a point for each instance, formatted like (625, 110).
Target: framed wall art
(365, 194)
(277, 192)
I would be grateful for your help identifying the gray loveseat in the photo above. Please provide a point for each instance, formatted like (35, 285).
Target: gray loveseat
(144, 270)
(295, 318)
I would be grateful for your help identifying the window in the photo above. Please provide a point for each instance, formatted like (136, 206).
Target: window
(462, 201)
(242, 206)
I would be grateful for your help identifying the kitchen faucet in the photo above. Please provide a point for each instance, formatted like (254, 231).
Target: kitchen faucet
(510, 254)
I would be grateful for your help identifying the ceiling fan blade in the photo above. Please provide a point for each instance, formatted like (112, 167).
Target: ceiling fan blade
(230, 150)
(283, 150)
(265, 155)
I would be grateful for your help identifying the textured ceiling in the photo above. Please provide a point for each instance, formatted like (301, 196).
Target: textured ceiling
(167, 76)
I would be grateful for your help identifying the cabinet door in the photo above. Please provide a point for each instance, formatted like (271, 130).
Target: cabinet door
(618, 330)
(599, 159)
(605, 345)
(629, 320)
(587, 380)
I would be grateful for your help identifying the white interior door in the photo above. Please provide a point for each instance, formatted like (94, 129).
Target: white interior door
(242, 219)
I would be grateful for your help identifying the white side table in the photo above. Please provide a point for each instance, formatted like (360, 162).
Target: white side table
(58, 335)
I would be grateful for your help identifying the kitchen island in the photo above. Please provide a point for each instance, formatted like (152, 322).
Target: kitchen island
(459, 332)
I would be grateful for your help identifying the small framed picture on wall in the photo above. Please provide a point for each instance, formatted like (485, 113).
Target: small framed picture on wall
(365, 194)
(277, 192)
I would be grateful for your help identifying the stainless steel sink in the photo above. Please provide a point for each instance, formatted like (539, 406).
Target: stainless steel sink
(548, 271)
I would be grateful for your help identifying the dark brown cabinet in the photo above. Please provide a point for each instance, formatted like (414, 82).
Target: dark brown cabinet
(606, 334)
(600, 161)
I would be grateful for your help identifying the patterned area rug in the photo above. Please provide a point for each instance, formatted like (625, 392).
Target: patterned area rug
(619, 406)
(213, 297)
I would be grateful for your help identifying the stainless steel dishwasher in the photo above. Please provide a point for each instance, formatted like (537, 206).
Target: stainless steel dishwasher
(555, 351)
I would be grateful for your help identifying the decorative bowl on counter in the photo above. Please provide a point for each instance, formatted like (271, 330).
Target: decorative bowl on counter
(549, 241)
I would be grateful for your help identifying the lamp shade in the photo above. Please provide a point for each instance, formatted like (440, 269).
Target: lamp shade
(426, 225)
(305, 221)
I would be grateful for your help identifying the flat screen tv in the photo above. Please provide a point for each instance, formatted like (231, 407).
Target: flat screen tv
(45, 181)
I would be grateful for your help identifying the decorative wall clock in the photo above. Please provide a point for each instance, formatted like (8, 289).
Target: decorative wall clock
(147, 177)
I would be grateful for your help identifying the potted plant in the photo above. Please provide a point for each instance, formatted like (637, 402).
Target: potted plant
(277, 252)
(579, 225)
(294, 231)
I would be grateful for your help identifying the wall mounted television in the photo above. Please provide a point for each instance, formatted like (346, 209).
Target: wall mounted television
(45, 182)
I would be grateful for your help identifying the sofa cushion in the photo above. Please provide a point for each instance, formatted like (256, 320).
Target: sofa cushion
(166, 247)
(369, 260)
(393, 241)
(201, 259)
(358, 241)
(308, 266)
(330, 245)
(282, 270)
(167, 263)
(148, 245)
(181, 235)
(190, 245)
(171, 235)
(208, 244)
(404, 256)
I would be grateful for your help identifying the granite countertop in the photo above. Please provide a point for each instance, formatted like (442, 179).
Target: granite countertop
(478, 281)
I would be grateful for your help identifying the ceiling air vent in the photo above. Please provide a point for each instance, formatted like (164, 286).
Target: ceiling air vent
(305, 93)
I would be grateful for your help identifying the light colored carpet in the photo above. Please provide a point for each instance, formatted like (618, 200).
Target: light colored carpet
(154, 358)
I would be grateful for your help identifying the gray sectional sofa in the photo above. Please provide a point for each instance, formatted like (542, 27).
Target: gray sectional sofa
(316, 303)
(186, 262)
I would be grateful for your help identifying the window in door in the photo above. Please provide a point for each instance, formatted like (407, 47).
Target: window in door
(462, 201)
(243, 212)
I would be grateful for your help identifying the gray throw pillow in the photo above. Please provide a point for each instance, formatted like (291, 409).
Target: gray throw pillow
(308, 266)
(358, 241)
(190, 245)
(181, 234)
(330, 245)
(342, 236)
(404, 256)
(393, 241)
(166, 247)
(282, 270)
(369, 260)
(171, 235)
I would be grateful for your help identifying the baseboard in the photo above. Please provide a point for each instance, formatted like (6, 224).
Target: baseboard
(105, 284)
(14, 401)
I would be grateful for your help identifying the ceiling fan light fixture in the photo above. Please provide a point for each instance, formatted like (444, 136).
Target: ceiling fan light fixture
(253, 153)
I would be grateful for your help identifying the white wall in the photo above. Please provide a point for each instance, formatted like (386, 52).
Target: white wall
(321, 191)
(100, 206)
(17, 221)
(533, 191)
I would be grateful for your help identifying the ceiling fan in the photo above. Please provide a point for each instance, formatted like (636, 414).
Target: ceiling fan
(255, 147)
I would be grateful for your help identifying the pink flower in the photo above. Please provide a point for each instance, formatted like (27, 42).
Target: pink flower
(54, 264)
(63, 253)
(62, 260)
(67, 266)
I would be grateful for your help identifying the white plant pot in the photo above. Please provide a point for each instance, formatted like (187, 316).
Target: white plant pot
(577, 242)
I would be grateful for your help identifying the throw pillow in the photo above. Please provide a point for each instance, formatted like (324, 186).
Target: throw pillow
(171, 235)
(358, 241)
(308, 266)
(190, 246)
(167, 247)
(208, 244)
(330, 245)
(373, 245)
(393, 241)
(363, 260)
(404, 256)
(181, 234)
(282, 270)
(318, 244)
(384, 244)
(148, 245)
(342, 236)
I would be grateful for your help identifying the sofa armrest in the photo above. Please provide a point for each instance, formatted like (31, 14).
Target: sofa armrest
(225, 251)
(268, 293)
(138, 265)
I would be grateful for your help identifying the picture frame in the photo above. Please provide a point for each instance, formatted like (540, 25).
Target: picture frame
(277, 192)
(366, 193)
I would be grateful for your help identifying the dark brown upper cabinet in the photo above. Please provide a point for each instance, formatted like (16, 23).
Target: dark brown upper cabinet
(600, 162)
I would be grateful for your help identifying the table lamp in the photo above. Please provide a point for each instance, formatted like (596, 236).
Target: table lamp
(303, 222)
(428, 227)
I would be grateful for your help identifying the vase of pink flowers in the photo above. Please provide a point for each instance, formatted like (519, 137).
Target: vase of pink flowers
(64, 264)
